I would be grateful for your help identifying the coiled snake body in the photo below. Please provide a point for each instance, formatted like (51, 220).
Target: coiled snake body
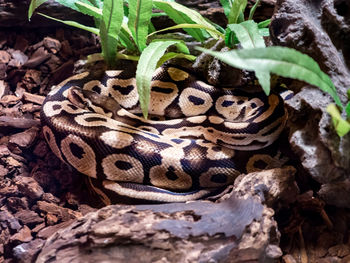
(205, 137)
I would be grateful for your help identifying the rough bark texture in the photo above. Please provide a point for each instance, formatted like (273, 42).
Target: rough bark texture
(237, 228)
(321, 30)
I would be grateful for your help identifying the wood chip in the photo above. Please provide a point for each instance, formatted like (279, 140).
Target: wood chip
(38, 57)
(52, 44)
(18, 59)
(4, 56)
(4, 88)
(22, 123)
(33, 98)
(24, 235)
(26, 138)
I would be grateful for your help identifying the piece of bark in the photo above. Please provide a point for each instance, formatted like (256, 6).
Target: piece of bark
(24, 139)
(237, 228)
(22, 123)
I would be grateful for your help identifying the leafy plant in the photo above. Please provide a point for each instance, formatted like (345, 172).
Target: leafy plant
(125, 25)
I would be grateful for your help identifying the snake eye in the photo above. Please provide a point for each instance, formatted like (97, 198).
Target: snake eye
(170, 174)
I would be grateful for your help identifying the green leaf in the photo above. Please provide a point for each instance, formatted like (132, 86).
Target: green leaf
(264, 32)
(109, 29)
(236, 12)
(75, 24)
(252, 10)
(71, 3)
(347, 110)
(282, 61)
(140, 13)
(342, 127)
(125, 38)
(170, 55)
(34, 4)
(264, 23)
(226, 5)
(181, 26)
(147, 65)
(247, 34)
(89, 9)
(183, 15)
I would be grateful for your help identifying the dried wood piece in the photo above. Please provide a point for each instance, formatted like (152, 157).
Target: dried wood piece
(38, 57)
(52, 44)
(33, 98)
(24, 139)
(23, 235)
(62, 213)
(4, 88)
(18, 58)
(234, 229)
(22, 123)
(26, 252)
(4, 56)
(29, 187)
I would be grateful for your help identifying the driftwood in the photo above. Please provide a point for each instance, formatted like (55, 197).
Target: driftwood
(239, 227)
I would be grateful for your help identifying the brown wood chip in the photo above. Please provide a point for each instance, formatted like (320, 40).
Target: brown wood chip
(21, 123)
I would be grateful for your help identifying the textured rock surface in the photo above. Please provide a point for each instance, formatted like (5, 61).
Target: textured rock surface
(321, 30)
(237, 228)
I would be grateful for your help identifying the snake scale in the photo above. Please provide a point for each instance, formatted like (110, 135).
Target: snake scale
(203, 138)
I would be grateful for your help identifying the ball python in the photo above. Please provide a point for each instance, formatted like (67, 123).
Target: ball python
(199, 139)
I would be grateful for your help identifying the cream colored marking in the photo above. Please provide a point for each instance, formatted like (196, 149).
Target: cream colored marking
(177, 74)
(189, 108)
(113, 73)
(170, 158)
(273, 102)
(158, 100)
(59, 86)
(236, 125)
(116, 139)
(112, 172)
(85, 165)
(147, 194)
(206, 86)
(215, 119)
(205, 178)
(93, 83)
(197, 119)
(52, 142)
(231, 113)
(49, 110)
(126, 101)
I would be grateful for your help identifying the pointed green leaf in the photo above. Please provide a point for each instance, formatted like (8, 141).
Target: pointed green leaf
(110, 26)
(181, 26)
(146, 67)
(236, 12)
(226, 5)
(140, 13)
(342, 127)
(75, 24)
(282, 61)
(247, 34)
(89, 9)
(347, 110)
(252, 10)
(170, 55)
(183, 15)
(34, 4)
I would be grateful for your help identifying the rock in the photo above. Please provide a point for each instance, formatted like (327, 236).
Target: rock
(236, 228)
(318, 28)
